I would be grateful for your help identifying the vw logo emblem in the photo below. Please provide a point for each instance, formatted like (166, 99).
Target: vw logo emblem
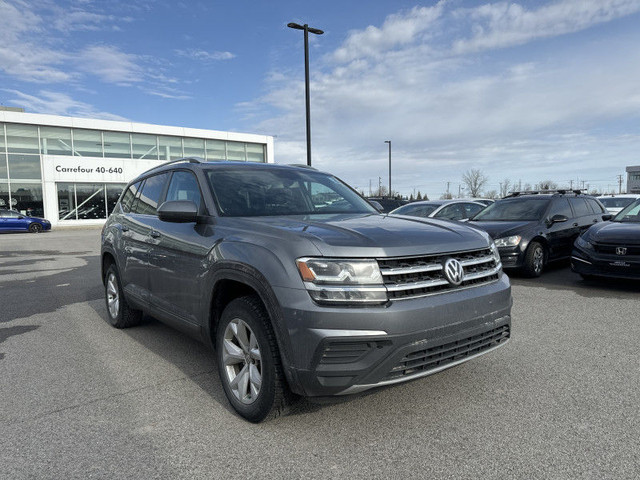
(453, 271)
(621, 250)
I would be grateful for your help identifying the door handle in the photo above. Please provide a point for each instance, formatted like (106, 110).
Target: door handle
(154, 234)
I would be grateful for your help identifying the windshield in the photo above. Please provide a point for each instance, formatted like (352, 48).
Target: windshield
(244, 191)
(616, 202)
(421, 210)
(629, 214)
(514, 209)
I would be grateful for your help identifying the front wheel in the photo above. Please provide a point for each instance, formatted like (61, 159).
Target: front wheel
(534, 260)
(120, 314)
(249, 361)
(35, 228)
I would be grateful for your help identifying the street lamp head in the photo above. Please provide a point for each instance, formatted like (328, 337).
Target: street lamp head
(306, 27)
(388, 141)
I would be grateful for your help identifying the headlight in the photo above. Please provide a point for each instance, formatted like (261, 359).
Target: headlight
(496, 255)
(511, 241)
(342, 281)
(584, 244)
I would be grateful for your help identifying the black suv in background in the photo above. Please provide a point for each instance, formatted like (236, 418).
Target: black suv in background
(531, 229)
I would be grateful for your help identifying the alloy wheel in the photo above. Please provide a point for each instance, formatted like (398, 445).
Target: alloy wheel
(113, 297)
(242, 361)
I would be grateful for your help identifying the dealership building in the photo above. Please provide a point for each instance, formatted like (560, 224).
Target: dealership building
(72, 170)
(633, 179)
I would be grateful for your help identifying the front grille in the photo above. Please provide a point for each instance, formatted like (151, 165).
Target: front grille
(410, 277)
(610, 249)
(439, 356)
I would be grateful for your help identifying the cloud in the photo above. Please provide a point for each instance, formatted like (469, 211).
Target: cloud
(110, 64)
(505, 24)
(420, 81)
(57, 103)
(203, 55)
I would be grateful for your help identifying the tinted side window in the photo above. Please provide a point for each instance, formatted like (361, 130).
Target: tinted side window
(471, 209)
(561, 207)
(451, 212)
(580, 206)
(595, 206)
(153, 187)
(129, 195)
(184, 186)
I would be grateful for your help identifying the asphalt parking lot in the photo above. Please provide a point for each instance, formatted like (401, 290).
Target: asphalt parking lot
(80, 399)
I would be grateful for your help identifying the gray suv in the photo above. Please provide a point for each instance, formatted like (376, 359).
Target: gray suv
(299, 284)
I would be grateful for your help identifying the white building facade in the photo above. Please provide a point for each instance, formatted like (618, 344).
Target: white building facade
(72, 170)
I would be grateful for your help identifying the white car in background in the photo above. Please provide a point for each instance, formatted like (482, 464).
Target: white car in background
(446, 209)
(615, 203)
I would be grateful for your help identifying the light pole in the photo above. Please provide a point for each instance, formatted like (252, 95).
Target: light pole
(307, 29)
(389, 142)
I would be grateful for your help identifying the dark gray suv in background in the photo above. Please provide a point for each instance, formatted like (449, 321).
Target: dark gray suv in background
(298, 282)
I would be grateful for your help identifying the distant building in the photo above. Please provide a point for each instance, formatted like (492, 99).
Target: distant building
(72, 170)
(633, 179)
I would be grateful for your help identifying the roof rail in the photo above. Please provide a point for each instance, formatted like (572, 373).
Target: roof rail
(557, 191)
(178, 160)
(302, 165)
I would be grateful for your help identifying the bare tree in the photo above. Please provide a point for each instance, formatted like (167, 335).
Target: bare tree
(548, 185)
(446, 196)
(491, 194)
(474, 179)
(505, 187)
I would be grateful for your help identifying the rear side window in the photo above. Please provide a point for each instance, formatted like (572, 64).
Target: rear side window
(595, 206)
(147, 203)
(580, 206)
(129, 196)
(561, 207)
(471, 209)
(184, 186)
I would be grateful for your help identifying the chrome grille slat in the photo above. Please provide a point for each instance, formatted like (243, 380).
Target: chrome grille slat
(411, 277)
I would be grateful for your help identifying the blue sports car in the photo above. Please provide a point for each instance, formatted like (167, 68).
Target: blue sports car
(11, 220)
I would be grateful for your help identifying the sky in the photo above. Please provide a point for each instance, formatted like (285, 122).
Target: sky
(523, 91)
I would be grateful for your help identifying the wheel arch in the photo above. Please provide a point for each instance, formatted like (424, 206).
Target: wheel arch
(233, 280)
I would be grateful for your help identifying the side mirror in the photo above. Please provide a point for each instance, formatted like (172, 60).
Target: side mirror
(20, 217)
(178, 211)
(606, 217)
(559, 218)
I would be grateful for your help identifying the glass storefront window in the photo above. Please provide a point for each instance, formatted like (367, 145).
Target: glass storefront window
(4, 195)
(235, 151)
(255, 152)
(3, 167)
(27, 198)
(55, 141)
(87, 143)
(24, 167)
(66, 201)
(170, 147)
(193, 147)
(216, 150)
(117, 145)
(113, 194)
(22, 138)
(145, 146)
(90, 201)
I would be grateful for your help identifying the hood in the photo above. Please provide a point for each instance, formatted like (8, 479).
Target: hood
(621, 233)
(371, 235)
(503, 229)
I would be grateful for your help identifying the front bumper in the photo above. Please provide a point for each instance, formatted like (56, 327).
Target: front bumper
(603, 265)
(511, 257)
(347, 350)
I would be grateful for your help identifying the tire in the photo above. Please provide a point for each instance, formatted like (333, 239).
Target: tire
(249, 361)
(35, 228)
(119, 313)
(534, 260)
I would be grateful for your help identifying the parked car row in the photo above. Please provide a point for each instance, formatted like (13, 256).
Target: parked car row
(532, 229)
